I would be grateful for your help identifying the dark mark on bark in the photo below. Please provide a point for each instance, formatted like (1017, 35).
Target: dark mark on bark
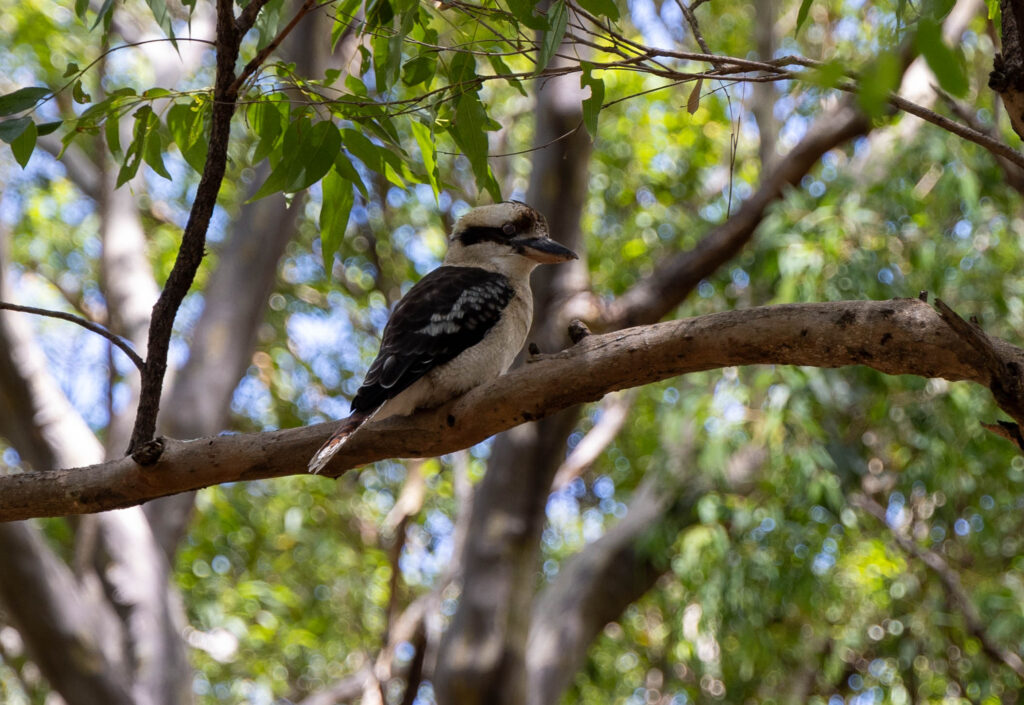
(846, 320)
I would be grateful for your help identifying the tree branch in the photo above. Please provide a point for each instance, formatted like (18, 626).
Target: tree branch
(193, 240)
(655, 296)
(120, 342)
(901, 336)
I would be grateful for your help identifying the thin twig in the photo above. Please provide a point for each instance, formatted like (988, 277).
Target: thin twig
(258, 60)
(120, 342)
(691, 19)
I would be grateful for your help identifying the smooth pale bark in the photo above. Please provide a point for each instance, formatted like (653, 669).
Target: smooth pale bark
(900, 336)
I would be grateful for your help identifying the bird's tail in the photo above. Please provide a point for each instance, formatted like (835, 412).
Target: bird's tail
(336, 441)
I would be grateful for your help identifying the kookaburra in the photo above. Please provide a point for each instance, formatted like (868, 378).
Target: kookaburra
(460, 325)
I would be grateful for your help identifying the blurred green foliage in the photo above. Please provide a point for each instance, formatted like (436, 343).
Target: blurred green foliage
(784, 592)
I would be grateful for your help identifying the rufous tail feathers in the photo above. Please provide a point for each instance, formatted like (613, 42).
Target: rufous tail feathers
(336, 441)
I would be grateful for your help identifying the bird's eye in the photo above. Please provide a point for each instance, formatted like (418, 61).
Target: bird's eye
(508, 229)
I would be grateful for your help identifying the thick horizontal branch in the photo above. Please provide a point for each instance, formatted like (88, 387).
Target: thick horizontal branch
(901, 336)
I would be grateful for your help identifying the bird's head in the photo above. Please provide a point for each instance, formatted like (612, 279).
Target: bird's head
(509, 237)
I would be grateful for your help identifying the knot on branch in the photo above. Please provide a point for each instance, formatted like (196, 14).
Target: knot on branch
(149, 452)
(578, 330)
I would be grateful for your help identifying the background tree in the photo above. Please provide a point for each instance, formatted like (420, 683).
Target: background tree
(782, 533)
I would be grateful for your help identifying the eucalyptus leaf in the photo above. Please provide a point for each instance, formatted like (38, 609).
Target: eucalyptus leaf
(22, 99)
(24, 144)
(334, 214)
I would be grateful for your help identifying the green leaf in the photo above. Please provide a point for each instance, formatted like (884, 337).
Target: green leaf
(24, 144)
(523, 10)
(828, 74)
(71, 70)
(268, 122)
(946, 63)
(101, 16)
(78, 93)
(462, 70)
(152, 153)
(46, 128)
(163, 19)
(268, 23)
(468, 130)
(307, 153)
(356, 86)
(343, 165)
(11, 129)
(344, 16)
(112, 130)
(80, 8)
(132, 157)
(601, 8)
(877, 81)
(428, 154)
(144, 133)
(334, 212)
(502, 69)
(379, 13)
(801, 15)
(22, 99)
(387, 59)
(364, 150)
(558, 16)
(592, 105)
(420, 69)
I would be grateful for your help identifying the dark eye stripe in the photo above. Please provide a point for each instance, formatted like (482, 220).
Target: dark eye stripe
(480, 233)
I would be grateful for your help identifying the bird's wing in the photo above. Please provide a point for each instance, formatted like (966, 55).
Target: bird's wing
(446, 312)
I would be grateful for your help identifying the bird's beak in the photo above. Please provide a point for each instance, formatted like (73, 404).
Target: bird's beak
(544, 250)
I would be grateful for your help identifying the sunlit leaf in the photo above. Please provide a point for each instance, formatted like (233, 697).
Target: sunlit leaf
(268, 119)
(558, 16)
(428, 153)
